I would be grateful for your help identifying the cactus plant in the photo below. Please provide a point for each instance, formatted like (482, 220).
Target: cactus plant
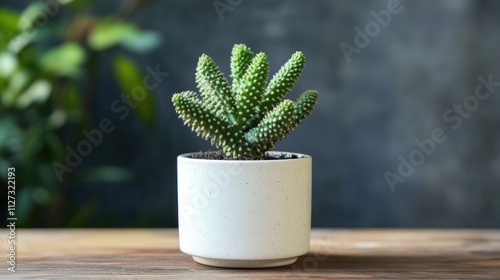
(247, 118)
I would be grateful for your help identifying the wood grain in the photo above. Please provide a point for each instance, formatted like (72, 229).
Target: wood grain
(335, 254)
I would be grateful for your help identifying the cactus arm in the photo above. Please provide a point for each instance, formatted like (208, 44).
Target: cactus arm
(241, 57)
(214, 88)
(282, 82)
(282, 120)
(274, 126)
(201, 119)
(251, 89)
(304, 105)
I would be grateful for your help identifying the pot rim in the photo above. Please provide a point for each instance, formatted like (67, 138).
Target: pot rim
(300, 156)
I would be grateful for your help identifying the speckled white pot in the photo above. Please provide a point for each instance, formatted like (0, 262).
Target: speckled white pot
(237, 213)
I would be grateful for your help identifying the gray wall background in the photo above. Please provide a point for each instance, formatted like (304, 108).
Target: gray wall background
(370, 110)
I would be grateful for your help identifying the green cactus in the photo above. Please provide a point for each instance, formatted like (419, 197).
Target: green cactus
(247, 118)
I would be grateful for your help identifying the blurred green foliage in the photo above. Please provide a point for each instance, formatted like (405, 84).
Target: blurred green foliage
(49, 57)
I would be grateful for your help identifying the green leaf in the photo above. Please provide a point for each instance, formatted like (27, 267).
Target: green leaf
(108, 33)
(8, 63)
(57, 118)
(37, 92)
(8, 23)
(18, 82)
(30, 15)
(141, 41)
(65, 60)
(21, 40)
(131, 81)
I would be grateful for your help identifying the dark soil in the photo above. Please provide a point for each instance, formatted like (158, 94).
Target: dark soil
(219, 155)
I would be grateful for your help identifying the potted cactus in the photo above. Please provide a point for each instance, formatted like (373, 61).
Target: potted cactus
(245, 205)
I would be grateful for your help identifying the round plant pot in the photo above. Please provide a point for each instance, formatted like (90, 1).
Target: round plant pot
(244, 213)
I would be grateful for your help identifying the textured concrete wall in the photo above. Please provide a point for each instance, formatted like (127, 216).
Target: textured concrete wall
(399, 87)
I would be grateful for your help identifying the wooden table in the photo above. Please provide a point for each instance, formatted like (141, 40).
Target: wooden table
(339, 254)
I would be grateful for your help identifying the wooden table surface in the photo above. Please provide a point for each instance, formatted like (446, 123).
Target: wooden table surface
(334, 254)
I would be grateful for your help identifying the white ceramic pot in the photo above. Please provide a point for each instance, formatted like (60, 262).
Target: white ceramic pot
(244, 213)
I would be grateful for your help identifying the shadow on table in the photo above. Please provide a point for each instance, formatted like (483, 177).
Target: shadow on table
(433, 263)
(425, 265)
